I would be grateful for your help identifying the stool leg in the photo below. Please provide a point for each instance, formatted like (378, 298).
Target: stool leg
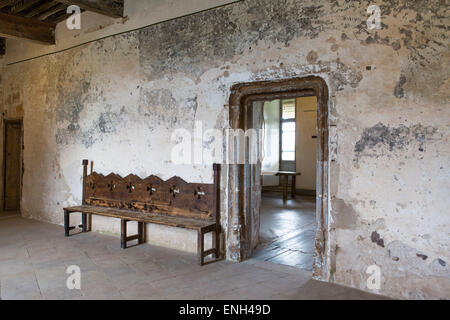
(293, 187)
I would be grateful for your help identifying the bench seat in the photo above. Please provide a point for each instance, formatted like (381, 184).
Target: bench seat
(173, 221)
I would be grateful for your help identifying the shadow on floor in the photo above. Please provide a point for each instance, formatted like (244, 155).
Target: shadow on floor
(287, 231)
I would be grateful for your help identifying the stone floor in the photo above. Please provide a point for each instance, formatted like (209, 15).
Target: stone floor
(287, 231)
(34, 257)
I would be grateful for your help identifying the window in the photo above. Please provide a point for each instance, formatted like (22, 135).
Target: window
(288, 109)
(288, 130)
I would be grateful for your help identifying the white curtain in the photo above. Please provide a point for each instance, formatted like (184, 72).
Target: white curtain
(271, 145)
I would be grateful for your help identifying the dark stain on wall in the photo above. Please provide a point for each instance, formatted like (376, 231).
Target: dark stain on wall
(393, 138)
(376, 39)
(196, 43)
(312, 56)
(376, 238)
(422, 256)
(159, 108)
(399, 92)
(345, 76)
(108, 121)
(70, 110)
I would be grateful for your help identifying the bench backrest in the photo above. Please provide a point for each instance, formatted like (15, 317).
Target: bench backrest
(174, 197)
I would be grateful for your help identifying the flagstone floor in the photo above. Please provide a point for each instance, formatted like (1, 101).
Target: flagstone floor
(34, 257)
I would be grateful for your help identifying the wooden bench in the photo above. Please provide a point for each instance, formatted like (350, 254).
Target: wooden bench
(174, 203)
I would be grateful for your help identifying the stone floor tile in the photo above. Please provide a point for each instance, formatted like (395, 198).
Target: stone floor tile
(34, 258)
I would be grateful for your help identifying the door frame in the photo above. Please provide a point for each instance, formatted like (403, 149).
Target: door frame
(7, 121)
(239, 233)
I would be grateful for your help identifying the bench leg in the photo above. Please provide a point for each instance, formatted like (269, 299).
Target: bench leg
(215, 238)
(84, 222)
(141, 232)
(140, 237)
(89, 222)
(123, 233)
(200, 247)
(66, 223)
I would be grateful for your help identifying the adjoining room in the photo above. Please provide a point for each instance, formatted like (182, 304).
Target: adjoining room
(288, 210)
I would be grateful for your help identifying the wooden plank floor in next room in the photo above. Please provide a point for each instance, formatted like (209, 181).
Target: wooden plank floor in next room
(287, 232)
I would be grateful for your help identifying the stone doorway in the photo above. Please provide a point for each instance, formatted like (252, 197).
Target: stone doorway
(244, 179)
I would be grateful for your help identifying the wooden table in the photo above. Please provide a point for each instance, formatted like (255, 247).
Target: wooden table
(284, 181)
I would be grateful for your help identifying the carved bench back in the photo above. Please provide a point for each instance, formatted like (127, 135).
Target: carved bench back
(174, 197)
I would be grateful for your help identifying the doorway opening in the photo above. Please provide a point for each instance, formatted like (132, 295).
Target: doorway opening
(245, 181)
(288, 172)
(12, 165)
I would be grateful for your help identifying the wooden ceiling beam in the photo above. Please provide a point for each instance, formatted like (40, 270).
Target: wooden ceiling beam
(58, 17)
(24, 5)
(41, 9)
(24, 28)
(110, 8)
(54, 10)
(5, 3)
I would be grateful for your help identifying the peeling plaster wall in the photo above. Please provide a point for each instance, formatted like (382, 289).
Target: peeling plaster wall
(117, 100)
(94, 26)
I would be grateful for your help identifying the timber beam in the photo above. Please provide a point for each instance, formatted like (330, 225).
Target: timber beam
(25, 28)
(111, 8)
